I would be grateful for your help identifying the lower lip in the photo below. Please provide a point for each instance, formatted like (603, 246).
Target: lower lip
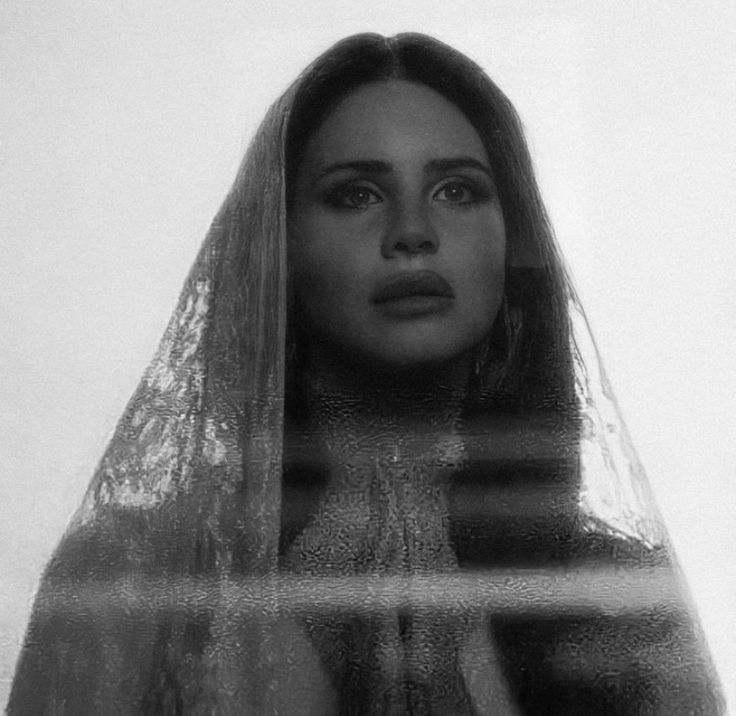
(414, 306)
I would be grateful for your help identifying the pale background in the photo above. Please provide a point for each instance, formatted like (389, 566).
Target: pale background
(122, 125)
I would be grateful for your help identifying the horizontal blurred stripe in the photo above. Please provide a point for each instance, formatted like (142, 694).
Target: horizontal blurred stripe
(611, 592)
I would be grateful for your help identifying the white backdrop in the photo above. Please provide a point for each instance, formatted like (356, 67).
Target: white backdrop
(122, 124)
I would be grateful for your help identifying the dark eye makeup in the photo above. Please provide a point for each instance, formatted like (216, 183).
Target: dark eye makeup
(463, 192)
(458, 192)
(351, 195)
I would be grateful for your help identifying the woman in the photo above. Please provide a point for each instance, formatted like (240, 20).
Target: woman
(377, 385)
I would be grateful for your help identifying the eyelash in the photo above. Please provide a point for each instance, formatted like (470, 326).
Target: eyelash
(343, 196)
(478, 192)
(339, 197)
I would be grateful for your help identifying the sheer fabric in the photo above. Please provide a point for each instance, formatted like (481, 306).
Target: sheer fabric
(516, 567)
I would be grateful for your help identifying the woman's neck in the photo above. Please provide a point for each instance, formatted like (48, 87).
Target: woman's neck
(402, 412)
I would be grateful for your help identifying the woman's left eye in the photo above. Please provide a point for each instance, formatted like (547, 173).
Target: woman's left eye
(457, 192)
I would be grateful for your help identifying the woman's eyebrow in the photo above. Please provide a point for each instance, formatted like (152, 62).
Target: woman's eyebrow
(377, 166)
(369, 166)
(452, 163)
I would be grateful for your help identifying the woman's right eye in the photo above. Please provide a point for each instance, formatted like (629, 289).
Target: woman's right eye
(352, 196)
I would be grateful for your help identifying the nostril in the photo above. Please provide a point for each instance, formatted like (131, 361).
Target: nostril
(418, 246)
(410, 238)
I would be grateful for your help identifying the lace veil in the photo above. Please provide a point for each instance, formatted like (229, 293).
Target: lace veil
(190, 483)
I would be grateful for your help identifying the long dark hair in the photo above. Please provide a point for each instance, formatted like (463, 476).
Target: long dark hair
(525, 362)
(521, 418)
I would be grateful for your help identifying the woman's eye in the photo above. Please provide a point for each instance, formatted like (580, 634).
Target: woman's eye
(352, 196)
(457, 192)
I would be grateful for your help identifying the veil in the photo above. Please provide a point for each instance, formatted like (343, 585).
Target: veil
(183, 513)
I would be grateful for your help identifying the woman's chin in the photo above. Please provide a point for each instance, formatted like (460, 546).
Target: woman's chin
(376, 357)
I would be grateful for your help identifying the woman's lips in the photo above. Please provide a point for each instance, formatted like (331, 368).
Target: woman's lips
(413, 293)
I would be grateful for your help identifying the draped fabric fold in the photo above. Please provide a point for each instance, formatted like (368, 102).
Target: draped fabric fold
(190, 482)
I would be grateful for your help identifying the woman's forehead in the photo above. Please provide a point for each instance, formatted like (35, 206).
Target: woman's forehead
(392, 119)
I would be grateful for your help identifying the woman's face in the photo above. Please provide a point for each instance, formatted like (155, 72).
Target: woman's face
(396, 234)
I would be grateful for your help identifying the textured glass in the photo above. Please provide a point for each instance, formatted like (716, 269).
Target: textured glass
(227, 561)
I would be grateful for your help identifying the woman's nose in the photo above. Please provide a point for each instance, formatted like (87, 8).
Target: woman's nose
(410, 231)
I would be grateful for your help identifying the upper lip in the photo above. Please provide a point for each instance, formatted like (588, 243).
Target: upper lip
(412, 283)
